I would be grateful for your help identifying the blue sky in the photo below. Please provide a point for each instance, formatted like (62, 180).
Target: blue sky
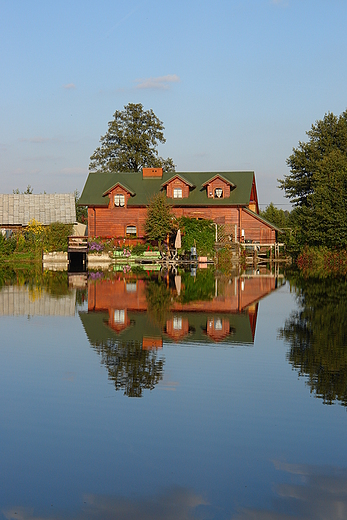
(236, 83)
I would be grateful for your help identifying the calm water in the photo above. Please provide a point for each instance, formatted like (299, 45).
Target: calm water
(172, 397)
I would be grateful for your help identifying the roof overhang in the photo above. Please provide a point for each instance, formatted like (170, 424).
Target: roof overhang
(178, 177)
(132, 193)
(218, 176)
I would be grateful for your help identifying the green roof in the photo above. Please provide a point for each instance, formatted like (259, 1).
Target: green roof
(98, 332)
(98, 184)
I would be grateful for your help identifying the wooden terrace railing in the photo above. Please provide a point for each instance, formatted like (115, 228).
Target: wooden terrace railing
(77, 244)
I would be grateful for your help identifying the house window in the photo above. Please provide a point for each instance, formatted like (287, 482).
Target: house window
(119, 200)
(177, 193)
(177, 323)
(119, 316)
(131, 230)
(131, 287)
(218, 324)
(218, 193)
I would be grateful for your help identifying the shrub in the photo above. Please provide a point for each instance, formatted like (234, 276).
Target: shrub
(198, 232)
(56, 236)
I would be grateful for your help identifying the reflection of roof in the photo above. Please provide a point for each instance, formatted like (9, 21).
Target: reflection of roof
(21, 301)
(20, 209)
(95, 326)
(98, 184)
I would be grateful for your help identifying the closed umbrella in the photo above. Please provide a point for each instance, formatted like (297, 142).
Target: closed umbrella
(178, 284)
(178, 240)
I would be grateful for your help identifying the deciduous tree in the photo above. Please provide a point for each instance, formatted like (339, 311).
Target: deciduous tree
(131, 142)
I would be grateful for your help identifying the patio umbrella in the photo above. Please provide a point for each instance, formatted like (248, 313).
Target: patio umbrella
(178, 240)
(178, 283)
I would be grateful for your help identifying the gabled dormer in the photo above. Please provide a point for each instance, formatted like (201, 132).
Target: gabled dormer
(218, 187)
(177, 187)
(119, 195)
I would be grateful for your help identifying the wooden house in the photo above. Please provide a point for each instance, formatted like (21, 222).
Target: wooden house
(117, 202)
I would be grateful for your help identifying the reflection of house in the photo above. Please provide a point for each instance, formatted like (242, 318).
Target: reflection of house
(218, 328)
(229, 317)
(118, 319)
(16, 300)
(117, 202)
(177, 327)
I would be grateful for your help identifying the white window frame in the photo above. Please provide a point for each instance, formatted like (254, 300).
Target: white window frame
(119, 316)
(219, 190)
(177, 323)
(177, 193)
(218, 324)
(119, 200)
(133, 230)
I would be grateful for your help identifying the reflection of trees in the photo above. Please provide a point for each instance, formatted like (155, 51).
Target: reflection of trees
(201, 287)
(317, 336)
(131, 368)
(158, 298)
(54, 282)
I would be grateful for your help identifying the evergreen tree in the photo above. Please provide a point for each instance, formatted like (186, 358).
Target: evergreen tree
(317, 184)
(159, 221)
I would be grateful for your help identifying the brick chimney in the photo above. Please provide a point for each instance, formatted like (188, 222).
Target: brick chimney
(152, 172)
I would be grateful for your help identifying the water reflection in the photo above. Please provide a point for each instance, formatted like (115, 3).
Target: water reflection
(130, 315)
(319, 493)
(317, 337)
(312, 492)
(31, 292)
(178, 504)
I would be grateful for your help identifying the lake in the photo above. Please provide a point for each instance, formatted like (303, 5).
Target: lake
(166, 396)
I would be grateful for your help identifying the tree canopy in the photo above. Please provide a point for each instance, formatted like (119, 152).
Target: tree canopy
(159, 221)
(131, 142)
(317, 183)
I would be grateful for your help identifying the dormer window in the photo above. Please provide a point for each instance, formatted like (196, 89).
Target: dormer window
(218, 187)
(177, 187)
(119, 316)
(119, 200)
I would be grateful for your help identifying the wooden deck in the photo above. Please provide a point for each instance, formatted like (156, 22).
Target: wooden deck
(77, 244)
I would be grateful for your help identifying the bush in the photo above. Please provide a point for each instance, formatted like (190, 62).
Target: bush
(198, 232)
(7, 245)
(139, 249)
(56, 236)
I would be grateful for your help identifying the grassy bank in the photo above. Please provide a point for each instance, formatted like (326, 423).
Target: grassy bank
(322, 262)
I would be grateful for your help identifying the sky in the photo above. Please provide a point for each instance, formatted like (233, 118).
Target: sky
(237, 83)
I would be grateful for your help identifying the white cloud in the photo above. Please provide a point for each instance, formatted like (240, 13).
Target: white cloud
(69, 86)
(159, 83)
